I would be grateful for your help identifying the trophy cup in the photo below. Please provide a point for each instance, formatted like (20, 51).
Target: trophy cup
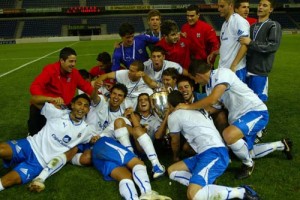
(159, 101)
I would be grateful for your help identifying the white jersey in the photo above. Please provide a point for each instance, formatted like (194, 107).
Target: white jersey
(157, 75)
(59, 134)
(100, 115)
(238, 98)
(231, 31)
(134, 88)
(152, 123)
(109, 131)
(197, 127)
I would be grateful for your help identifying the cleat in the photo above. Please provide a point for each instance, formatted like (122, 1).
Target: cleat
(250, 194)
(37, 185)
(245, 172)
(158, 171)
(152, 195)
(288, 144)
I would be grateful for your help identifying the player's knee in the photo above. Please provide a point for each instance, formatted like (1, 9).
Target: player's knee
(5, 151)
(86, 158)
(171, 169)
(119, 123)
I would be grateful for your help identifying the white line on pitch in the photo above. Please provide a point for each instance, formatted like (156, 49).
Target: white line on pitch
(24, 65)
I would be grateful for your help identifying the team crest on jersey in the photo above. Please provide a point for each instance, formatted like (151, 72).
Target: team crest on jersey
(182, 44)
(66, 139)
(79, 135)
(198, 35)
(140, 51)
(240, 32)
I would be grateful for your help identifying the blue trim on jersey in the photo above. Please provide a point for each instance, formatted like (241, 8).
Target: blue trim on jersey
(242, 74)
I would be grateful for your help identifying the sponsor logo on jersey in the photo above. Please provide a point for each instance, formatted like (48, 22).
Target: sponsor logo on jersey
(24, 171)
(63, 142)
(67, 138)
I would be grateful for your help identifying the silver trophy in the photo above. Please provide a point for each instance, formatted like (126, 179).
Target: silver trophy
(159, 101)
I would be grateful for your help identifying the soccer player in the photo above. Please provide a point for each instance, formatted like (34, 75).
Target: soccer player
(232, 53)
(201, 36)
(176, 47)
(154, 23)
(242, 8)
(64, 129)
(185, 86)
(103, 66)
(262, 45)
(134, 83)
(131, 48)
(199, 172)
(57, 83)
(115, 162)
(247, 114)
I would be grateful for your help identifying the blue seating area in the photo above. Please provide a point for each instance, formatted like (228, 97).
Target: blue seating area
(49, 3)
(46, 27)
(7, 4)
(8, 29)
(113, 2)
(114, 22)
(284, 20)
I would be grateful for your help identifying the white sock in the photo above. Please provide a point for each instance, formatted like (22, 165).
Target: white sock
(53, 166)
(182, 177)
(240, 149)
(261, 150)
(76, 159)
(141, 178)
(1, 186)
(127, 189)
(219, 192)
(147, 145)
(122, 136)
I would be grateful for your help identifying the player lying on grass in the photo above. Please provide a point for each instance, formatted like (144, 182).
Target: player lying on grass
(63, 130)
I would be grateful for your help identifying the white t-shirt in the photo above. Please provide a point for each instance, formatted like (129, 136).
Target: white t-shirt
(157, 75)
(197, 127)
(100, 115)
(152, 124)
(59, 134)
(134, 88)
(238, 97)
(231, 31)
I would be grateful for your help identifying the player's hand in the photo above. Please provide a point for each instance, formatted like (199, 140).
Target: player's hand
(183, 34)
(245, 40)
(94, 139)
(140, 74)
(57, 101)
(97, 84)
(128, 111)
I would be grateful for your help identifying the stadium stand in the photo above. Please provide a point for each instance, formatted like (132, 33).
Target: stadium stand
(7, 4)
(8, 29)
(285, 20)
(49, 3)
(113, 2)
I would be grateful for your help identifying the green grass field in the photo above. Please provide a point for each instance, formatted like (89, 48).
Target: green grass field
(274, 176)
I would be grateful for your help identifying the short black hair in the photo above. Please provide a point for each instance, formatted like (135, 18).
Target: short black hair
(84, 73)
(193, 8)
(175, 98)
(170, 72)
(66, 52)
(140, 65)
(122, 87)
(237, 3)
(168, 26)
(84, 96)
(104, 57)
(183, 78)
(198, 67)
(126, 29)
(158, 49)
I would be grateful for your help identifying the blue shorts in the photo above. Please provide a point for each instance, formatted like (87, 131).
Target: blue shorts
(23, 161)
(259, 85)
(108, 154)
(251, 123)
(242, 73)
(83, 147)
(207, 166)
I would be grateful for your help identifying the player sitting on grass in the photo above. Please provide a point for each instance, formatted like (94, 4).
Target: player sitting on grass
(63, 130)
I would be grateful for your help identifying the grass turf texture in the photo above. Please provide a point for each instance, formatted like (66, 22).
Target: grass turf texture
(274, 177)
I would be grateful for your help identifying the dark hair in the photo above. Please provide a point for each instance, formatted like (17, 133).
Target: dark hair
(237, 3)
(183, 78)
(121, 87)
(84, 73)
(168, 26)
(140, 65)
(170, 72)
(104, 57)
(198, 67)
(66, 52)
(158, 49)
(193, 8)
(175, 98)
(84, 96)
(153, 13)
(126, 29)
